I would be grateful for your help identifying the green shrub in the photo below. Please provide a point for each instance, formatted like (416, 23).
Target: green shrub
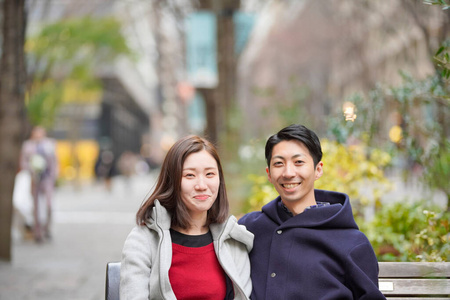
(409, 232)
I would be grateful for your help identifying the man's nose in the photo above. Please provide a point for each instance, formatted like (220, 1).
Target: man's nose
(289, 170)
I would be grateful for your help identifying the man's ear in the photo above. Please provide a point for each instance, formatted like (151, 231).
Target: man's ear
(319, 170)
(268, 174)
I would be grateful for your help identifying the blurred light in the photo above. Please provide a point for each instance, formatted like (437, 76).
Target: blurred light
(145, 150)
(246, 152)
(395, 134)
(349, 111)
(166, 142)
(186, 91)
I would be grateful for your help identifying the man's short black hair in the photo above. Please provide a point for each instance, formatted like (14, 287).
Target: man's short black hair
(299, 133)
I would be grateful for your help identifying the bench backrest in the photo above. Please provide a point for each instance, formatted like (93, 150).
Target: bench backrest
(397, 280)
(112, 281)
(404, 280)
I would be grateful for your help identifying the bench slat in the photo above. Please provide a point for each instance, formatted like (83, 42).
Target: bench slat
(409, 298)
(413, 269)
(415, 287)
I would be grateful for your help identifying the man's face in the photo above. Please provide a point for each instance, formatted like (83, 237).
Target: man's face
(292, 172)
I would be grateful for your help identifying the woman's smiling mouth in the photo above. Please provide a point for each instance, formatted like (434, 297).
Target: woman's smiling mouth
(201, 197)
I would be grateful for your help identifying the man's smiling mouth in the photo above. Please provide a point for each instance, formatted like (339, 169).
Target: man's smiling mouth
(290, 185)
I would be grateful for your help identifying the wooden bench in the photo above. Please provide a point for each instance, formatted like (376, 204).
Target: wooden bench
(415, 280)
(397, 280)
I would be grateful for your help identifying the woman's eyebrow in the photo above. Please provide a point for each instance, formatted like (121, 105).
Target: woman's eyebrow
(194, 168)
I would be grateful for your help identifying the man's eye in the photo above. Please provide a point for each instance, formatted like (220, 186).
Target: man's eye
(277, 163)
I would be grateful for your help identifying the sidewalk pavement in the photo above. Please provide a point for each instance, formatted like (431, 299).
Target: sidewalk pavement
(89, 228)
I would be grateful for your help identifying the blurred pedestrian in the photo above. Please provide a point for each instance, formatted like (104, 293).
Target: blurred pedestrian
(185, 245)
(38, 158)
(126, 164)
(105, 167)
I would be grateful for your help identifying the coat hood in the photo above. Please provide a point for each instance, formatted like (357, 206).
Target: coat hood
(232, 230)
(337, 215)
(160, 220)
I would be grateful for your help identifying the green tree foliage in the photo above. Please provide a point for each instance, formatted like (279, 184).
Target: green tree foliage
(437, 171)
(355, 170)
(422, 106)
(62, 57)
(406, 231)
(442, 57)
(421, 136)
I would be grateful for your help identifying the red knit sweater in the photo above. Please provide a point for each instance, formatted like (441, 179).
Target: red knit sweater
(195, 273)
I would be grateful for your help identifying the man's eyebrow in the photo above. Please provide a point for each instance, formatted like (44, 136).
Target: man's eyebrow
(278, 156)
(294, 156)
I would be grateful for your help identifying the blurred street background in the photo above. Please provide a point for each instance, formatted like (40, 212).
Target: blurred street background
(114, 83)
(90, 225)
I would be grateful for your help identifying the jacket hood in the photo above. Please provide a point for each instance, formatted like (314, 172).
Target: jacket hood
(232, 230)
(160, 220)
(337, 215)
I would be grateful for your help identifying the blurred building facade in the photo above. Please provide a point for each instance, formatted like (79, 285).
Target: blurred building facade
(302, 52)
(139, 110)
(330, 51)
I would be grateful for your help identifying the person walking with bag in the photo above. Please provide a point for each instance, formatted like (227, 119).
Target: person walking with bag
(38, 158)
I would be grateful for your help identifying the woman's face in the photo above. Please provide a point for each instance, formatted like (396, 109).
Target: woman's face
(199, 183)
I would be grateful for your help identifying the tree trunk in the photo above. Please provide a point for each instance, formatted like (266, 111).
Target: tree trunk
(12, 112)
(226, 90)
(211, 114)
(219, 101)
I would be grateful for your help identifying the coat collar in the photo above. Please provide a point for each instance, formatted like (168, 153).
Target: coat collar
(160, 219)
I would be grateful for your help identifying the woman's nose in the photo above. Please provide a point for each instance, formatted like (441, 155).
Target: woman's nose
(201, 185)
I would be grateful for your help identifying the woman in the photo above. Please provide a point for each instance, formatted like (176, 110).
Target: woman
(185, 246)
(38, 158)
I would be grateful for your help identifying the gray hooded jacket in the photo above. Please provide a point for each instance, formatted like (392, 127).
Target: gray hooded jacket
(147, 256)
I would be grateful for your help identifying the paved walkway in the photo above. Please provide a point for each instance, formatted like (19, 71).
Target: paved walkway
(90, 226)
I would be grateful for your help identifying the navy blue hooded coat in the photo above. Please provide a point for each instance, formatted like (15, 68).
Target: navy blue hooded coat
(318, 254)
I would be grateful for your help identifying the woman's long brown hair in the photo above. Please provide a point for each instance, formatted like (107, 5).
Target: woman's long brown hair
(168, 186)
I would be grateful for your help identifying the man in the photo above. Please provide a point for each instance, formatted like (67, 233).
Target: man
(307, 244)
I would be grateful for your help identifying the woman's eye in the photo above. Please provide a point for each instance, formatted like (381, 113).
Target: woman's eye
(210, 174)
(189, 175)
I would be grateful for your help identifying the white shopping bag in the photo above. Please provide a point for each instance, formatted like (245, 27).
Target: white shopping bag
(22, 198)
